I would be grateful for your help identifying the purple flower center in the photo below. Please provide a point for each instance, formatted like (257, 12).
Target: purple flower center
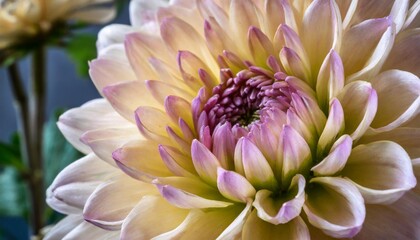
(245, 99)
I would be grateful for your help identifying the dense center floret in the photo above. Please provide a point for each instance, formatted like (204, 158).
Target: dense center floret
(243, 99)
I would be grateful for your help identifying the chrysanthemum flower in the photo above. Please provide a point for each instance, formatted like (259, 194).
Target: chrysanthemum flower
(21, 20)
(249, 119)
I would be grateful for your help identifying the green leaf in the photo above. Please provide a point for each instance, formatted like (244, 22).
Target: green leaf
(81, 48)
(13, 197)
(10, 154)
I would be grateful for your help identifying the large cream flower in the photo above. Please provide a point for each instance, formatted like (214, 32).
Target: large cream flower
(21, 20)
(243, 119)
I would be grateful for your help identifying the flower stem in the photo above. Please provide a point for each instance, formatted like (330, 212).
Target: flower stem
(37, 115)
(30, 114)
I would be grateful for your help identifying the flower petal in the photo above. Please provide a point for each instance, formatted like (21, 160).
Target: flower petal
(290, 204)
(256, 168)
(330, 79)
(210, 223)
(256, 228)
(398, 99)
(404, 55)
(82, 176)
(336, 159)
(407, 137)
(322, 32)
(356, 55)
(63, 227)
(187, 200)
(234, 186)
(111, 202)
(205, 162)
(381, 170)
(104, 141)
(161, 217)
(359, 101)
(126, 97)
(335, 206)
(296, 155)
(333, 127)
(140, 160)
(95, 114)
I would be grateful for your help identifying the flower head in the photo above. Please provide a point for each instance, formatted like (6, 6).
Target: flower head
(252, 120)
(22, 20)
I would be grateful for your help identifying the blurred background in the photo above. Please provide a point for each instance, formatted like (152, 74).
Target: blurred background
(68, 87)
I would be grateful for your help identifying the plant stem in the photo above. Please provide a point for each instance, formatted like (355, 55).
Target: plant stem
(37, 115)
(30, 114)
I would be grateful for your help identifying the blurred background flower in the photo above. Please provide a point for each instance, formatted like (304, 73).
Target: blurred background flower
(249, 120)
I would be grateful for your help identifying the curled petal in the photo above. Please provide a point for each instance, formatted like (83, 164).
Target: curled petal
(210, 223)
(360, 102)
(82, 176)
(256, 228)
(126, 97)
(161, 217)
(335, 206)
(289, 209)
(398, 99)
(333, 127)
(381, 170)
(140, 160)
(185, 199)
(234, 186)
(407, 137)
(330, 79)
(336, 159)
(354, 54)
(110, 203)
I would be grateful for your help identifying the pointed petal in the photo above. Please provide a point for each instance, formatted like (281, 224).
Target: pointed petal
(330, 79)
(81, 177)
(381, 170)
(187, 200)
(335, 206)
(104, 141)
(291, 204)
(398, 99)
(356, 55)
(210, 223)
(234, 186)
(359, 101)
(111, 202)
(63, 227)
(296, 155)
(260, 46)
(140, 160)
(336, 159)
(224, 145)
(256, 168)
(161, 217)
(322, 32)
(205, 162)
(126, 97)
(256, 228)
(333, 127)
